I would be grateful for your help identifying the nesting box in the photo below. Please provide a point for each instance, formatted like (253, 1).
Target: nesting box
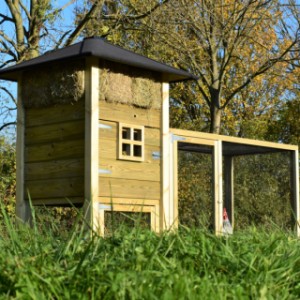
(91, 119)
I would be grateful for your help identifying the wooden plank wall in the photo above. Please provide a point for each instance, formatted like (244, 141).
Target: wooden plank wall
(54, 154)
(136, 182)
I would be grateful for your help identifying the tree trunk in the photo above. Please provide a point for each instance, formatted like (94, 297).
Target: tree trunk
(215, 119)
(215, 105)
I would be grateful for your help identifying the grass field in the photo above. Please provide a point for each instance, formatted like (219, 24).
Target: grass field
(38, 263)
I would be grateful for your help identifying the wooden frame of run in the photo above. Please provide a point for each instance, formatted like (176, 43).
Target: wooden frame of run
(227, 147)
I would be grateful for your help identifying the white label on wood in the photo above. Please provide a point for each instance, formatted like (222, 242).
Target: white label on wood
(103, 171)
(104, 207)
(104, 126)
(156, 155)
(177, 138)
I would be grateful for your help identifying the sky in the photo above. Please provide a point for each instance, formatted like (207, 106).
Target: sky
(65, 22)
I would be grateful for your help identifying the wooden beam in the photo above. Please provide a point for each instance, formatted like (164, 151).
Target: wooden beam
(229, 187)
(39, 116)
(91, 142)
(23, 211)
(124, 113)
(167, 205)
(128, 188)
(230, 139)
(174, 150)
(295, 189)
(218, 188)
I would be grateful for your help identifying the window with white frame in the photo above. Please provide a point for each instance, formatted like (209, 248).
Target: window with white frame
(131, 142)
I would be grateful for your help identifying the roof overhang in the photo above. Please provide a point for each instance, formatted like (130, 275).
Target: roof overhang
(98, 47)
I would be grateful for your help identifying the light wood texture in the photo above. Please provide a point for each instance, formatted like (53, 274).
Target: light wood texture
(128, 179)
(152, 135)
(193, 140)
(108, 150)
(131, 142)
(54, 169)
(91, 154)
(216, 137)
(127, 205)
(72, 130)
(55, 188)
(167, 204)
(174, 180)
(54, 114)
(294, 157)
(126, 188)
(218, 188)
(23, 212)
(229, 187)
(130, 170)
(108, 143)
(129, 114)
(54, 151)
(116, 200)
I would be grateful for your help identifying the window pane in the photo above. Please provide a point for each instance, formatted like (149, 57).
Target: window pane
(137, 150)
(137, 134)
(126, 133)
(126, 149)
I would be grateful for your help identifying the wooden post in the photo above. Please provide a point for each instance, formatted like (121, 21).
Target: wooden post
(23, 211)
(91, 206)
(218, 188)
(174, 162)
(295, 189)
(229, 187)
(167, 209)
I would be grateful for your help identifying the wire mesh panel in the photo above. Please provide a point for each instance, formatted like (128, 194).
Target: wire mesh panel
(262, 191)
(195, 197)
(115, 220)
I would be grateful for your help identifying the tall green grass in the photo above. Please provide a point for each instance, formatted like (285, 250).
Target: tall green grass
(37, 263)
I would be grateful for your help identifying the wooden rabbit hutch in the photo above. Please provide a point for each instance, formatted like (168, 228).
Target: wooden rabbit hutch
(93, 131)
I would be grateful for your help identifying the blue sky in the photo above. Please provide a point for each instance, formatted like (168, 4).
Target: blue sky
(65, 22)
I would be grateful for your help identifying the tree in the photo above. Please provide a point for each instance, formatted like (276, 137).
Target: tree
(7, 175)
(241, 51)
(29, 29)
(231, 45)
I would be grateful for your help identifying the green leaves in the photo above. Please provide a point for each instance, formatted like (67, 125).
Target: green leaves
(7, 175)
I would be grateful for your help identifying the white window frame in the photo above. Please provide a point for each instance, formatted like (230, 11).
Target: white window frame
(131, 142)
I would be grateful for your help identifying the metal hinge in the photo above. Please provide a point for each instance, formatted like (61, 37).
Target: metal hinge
(104, 126)
(104, 171)
(177, 138)
(156, 155)
(104, 206)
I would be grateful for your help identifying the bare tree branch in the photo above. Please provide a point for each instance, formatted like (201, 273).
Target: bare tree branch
(74, 35)
(7, 125)
(9, 93)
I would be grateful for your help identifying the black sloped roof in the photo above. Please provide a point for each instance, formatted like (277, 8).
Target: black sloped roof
(98, 47)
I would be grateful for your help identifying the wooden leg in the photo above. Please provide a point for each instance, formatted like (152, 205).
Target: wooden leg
(91, 179)
(295, 189)
(229, 187)
(218, 188)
